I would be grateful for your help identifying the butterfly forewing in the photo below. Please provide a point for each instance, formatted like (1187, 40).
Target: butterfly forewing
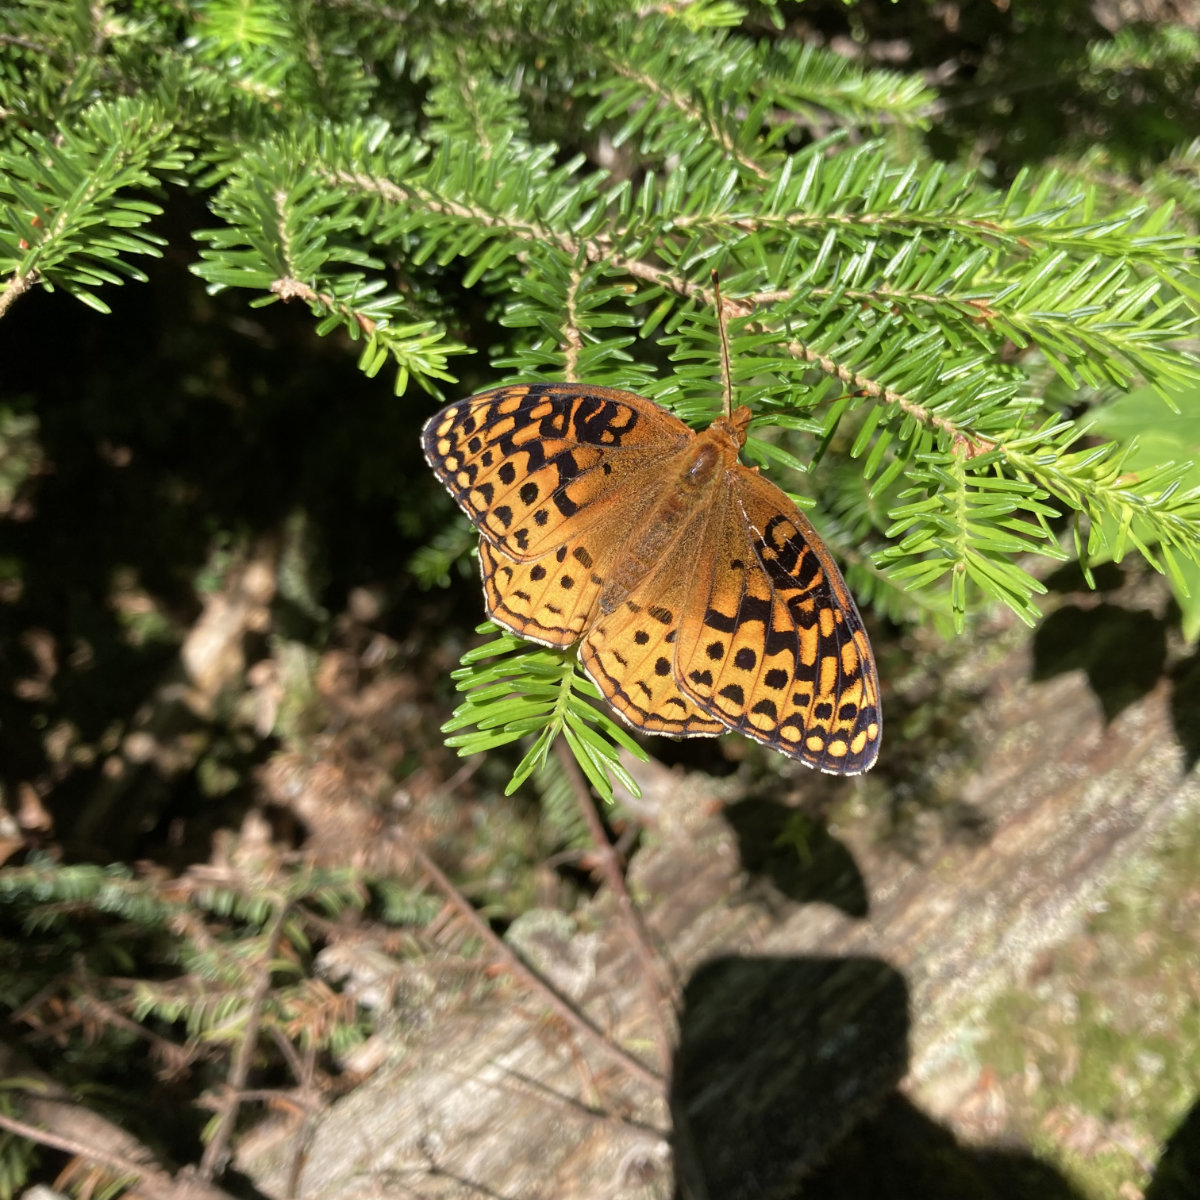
(536, 465)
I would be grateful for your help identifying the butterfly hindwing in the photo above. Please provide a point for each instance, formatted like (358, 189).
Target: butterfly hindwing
(630, 654)
(775, 647)
(548, 600)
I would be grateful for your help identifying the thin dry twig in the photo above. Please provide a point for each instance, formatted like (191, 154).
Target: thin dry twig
(55, 1120)
(659, 991)
(501, 949)
(306, 1077)
(216, 1153)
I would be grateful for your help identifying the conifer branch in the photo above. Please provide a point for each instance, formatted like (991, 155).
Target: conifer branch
(59, 1122)
(650, 85)
(901, 316)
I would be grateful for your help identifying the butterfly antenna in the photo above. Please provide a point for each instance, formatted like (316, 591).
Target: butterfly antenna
(726, 369)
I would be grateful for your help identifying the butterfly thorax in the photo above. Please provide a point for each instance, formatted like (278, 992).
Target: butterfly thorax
(734, 426)
(697, 474)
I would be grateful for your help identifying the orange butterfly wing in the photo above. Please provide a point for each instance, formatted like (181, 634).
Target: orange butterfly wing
(772, 644)
(536, 465)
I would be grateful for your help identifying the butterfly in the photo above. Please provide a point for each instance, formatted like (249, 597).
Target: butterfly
(701, 598)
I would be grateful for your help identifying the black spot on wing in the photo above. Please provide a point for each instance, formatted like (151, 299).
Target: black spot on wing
(568, 469)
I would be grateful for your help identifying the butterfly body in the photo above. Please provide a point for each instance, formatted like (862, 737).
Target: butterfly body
(696, 474)
(701, 598)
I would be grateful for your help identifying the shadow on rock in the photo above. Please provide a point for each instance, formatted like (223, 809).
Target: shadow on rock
(1185, 707)
(785, 1086)
(901, 1154)
(797, 855)
(777, 1057)
(1122, 651)
(1178, 1173)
